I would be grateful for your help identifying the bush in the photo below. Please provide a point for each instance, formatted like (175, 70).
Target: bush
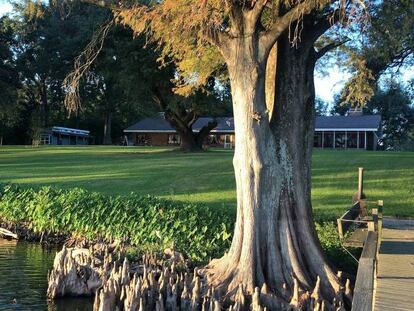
(146, 222)
(328, 236)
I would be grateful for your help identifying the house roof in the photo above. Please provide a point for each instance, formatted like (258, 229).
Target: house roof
(226, 125)
(69, 131)
(160, 125)
(364, 122)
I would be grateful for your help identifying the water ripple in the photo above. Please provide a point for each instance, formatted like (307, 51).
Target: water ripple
(23, 279)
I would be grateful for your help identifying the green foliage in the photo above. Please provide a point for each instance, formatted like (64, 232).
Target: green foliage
(359, 89)
(8, 78)
(390, 36)
(143, 221)
(321, 107)
(328, 236)
(147, 222)
(395, 106)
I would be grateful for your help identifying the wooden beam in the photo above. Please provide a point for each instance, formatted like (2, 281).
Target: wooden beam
(344, 222)
(364, 285)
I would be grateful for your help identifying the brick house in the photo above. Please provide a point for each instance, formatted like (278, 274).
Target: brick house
(355, 131)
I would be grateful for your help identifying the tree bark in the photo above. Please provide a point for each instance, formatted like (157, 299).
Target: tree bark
(274, 241)
(293, 128)
(188, 140)
(107, 139)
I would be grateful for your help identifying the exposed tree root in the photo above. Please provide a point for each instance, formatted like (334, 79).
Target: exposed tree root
(78, 272)
(166, 283)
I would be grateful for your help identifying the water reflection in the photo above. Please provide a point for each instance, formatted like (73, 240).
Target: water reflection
(23, 279)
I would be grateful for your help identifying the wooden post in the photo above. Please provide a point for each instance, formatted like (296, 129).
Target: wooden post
(360, 182)
(340, 231)
(375, 219)
(334, 138)
(380, 211)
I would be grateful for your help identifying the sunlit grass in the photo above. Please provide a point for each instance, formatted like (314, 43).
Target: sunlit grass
(208, 177)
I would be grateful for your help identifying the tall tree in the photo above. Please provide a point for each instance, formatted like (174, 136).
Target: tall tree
(274, 241)
(182, 112)
(397, 113)
(386, 45)
(321, 107)
(9, 80)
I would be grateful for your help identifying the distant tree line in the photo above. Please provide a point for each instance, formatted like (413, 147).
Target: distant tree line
(39, 44)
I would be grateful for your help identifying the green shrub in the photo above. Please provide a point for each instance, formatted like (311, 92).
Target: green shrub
(146, 222)
(328, 236)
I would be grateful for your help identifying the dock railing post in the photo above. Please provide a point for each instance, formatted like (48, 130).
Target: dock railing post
(360, 182)
(374, 220)
(380, 212)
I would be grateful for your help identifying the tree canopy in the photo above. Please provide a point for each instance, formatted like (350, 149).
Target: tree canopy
(195, 34)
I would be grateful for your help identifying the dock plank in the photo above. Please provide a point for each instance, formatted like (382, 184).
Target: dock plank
(395, 277)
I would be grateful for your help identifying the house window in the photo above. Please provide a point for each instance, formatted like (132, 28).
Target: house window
(228, 141)
(45, 139)
(174, 139)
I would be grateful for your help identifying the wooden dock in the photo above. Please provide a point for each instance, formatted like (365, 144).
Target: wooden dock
(394, 288)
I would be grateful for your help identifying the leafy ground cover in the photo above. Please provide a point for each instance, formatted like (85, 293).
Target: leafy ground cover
(207, 178)
(147, 222)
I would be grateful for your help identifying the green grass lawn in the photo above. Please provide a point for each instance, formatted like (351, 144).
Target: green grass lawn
(208, 177)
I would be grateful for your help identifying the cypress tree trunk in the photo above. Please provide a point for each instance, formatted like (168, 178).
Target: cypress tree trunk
(274, 240)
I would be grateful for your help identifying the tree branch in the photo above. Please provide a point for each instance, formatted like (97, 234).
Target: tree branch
(205, 130)
(257, 8)
(323, 23)
(269, 37)
(217, 38)
(322, 51)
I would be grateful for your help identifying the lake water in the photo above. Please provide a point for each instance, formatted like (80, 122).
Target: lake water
(23, 279)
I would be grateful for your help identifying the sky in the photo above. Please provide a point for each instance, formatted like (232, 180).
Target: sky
(325, 86)
(5, 7)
